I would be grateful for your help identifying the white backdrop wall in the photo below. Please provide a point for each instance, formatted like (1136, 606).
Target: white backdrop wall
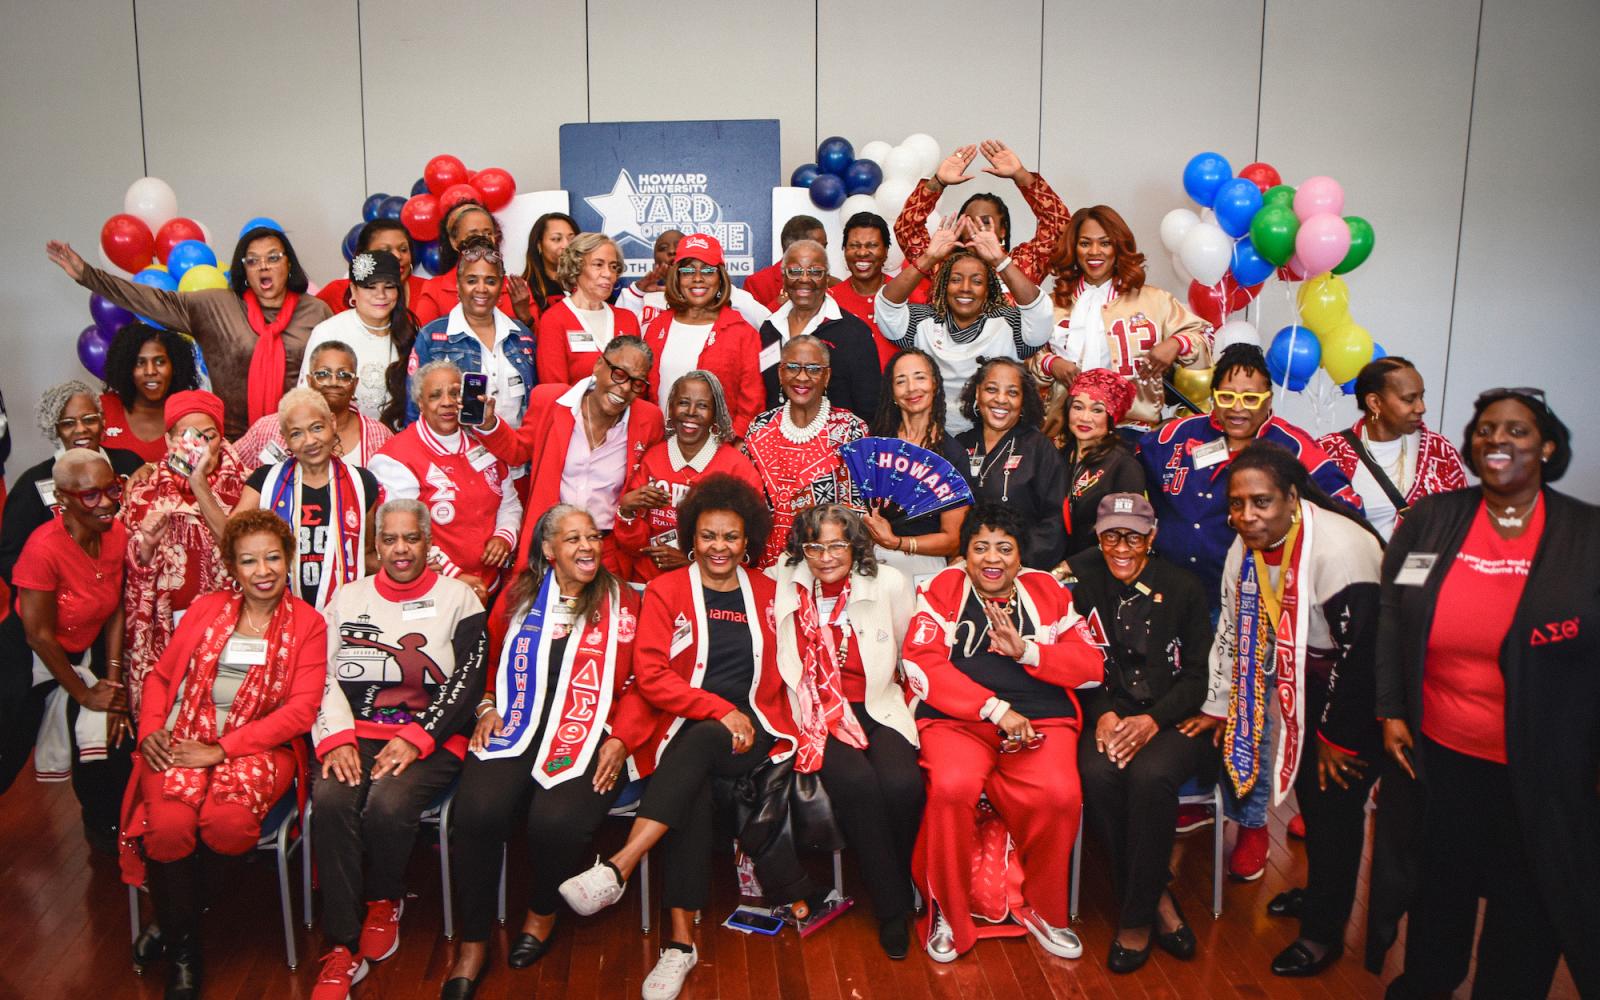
(1463, 129)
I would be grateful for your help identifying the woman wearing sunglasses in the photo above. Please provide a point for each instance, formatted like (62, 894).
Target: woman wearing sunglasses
(808, 309)
(994, 652)
(332, 373)
(573, 330)
(379, 328)
(702, 331)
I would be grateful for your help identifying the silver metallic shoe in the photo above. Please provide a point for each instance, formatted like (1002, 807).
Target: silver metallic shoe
(1058, 941)
(941, 946)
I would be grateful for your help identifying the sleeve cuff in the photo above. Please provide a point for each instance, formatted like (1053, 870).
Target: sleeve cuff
(1030, 653)
(507, 535)
(1341, 749)
(994, 709)
(343, 738)
(417, 737)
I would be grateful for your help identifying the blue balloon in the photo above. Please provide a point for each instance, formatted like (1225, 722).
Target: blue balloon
(260, 222)
(862, 177)
(1249, 267)
(1205, 173)
(1293, 357)
(427, 254)
(1236, 203)
(350, 241)
(186, 254)
(420, 187)
(803, 175)
(1377, 352)
(827, 192)
(390, 209)
(834, 155)
(370, 207)
(108, 316)
(155, 279)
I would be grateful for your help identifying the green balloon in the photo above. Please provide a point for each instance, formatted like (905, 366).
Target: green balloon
(1361, 237)
(1281, 194)
(1273, 231)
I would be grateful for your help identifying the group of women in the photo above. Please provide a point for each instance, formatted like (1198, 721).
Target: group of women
(490, 532)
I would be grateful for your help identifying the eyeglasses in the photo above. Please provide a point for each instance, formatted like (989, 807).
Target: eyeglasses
(689, 270)
(1009, 745)
(92, 497)
(805, 272)
(817, 550)
(481, 253)
(272, 259)
(1227, 398)
(795, 368)
(326, 375)
(89, 421)
(620, 375)
(1132, 539)
(1520, 390)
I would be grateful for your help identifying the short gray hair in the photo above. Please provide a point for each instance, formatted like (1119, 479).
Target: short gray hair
(406, 505)
(620, 341)
(55, 400)
(421, 375)
(806, 338)
(300, 396)
(805, 245)
(71, 462)
(721, 418)
(333, 345)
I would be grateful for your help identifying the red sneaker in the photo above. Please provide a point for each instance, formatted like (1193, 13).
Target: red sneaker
(340, 972)
(1249, 860)
(380, 935)
(1297, 827)
(1191, 818)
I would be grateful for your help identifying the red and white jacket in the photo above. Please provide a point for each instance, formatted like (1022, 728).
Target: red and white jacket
(732, 353)
(1061, 650)
(1438, 464)
(669, 665)
(565, 351)
(664, 467)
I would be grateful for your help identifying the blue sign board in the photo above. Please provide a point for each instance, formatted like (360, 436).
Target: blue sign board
(635, 180)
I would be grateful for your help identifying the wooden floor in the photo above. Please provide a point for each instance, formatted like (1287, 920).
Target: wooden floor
(64, 933)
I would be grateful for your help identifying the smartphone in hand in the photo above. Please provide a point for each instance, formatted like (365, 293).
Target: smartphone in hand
(474, 390)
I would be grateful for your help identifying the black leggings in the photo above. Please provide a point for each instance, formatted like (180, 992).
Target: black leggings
(877, 797)
(561, 825)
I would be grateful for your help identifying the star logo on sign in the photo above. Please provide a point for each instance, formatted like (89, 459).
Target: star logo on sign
(618, 214)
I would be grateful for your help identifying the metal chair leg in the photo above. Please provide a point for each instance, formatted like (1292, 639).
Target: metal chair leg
(305, 866)
(838, 872)
(644, 893)
(133, 914)
(1077, 871)
(444, 869)
(285, 898)
(1216, 852)
(502, 884)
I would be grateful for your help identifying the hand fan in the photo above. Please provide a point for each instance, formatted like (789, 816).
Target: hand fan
(914, 479)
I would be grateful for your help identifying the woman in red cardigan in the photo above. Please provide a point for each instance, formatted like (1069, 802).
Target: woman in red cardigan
(573, 330)
(707, 701)
(702, 331)
(220, 729)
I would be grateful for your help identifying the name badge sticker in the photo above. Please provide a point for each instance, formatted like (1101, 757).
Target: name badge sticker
(1013, 462)
(411, 611)
(769, 356)
(479, 458)
(274, 454)
(251, 652)
(579, 341)
(1414, 571)
(1207, 455)
(47, 491)
(682, 635)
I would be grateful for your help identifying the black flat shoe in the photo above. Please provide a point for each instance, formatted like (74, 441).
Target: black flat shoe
(1125, 960)
(1287, 904)
(894, 936)
(526, 950)
(1180, 943)
(183, 969)
(1296, 961)
(460, 988)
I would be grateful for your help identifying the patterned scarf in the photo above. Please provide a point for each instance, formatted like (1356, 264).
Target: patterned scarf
(1264, 624)
(247, 780)
(265, 386)
(823, 710)
(344, 563)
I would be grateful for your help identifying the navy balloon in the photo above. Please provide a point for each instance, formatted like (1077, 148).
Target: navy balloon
(834, 155)
(803, 175)
(390, 209)
(1249, 267)
(369, 208)
(1377, 352)
(1205, 173)
(827, 192)
(862, 177)
(108, 316)
(350, 241)
(1293, 357)
(420, 187)
(428, 255)
(1236, 204)
(261, 222)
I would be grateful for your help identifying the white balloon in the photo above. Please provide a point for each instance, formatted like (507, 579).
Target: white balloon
(1206, 252)
(927, 147)
(895, 260)
(1175, 225)
(205, 232)
(1208, 215)
(876, 151)
(151, 199)
(857, 203)
(892, 194)
(1182, 272)
(1235, 331)
(902, 163)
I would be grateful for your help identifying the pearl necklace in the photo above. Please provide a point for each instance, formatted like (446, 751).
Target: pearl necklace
(375, 329)
(802, 435)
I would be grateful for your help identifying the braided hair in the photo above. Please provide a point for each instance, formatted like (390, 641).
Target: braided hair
(1000, 210)
(937, 301)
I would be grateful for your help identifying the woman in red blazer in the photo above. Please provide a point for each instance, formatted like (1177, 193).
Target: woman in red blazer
(573, 330)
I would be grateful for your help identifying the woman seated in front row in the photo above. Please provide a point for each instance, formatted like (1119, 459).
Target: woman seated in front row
(994, 652)
(706, 702)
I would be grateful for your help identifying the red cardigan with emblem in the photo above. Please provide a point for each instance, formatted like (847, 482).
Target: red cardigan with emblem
(556, 360)
(732, 353)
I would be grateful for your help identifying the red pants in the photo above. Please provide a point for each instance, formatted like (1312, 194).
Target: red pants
(225, 827)
(1036, 793)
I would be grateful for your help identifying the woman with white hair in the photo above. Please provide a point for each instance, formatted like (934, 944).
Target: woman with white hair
(573, 331)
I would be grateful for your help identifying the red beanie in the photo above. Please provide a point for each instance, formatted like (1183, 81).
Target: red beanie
(1108, 388)
(181, 404)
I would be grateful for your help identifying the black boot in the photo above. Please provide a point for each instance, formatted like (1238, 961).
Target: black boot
(183, 968)
(174, 889)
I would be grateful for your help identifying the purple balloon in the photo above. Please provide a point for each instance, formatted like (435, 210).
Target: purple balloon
(92, 346)
(108, 316)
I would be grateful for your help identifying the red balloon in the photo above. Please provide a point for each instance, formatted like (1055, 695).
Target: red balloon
(127, 242)
(1213, 303)
(1262, 175)
(454, 195)
(421, 217)
(1287, 273)
(175, 231)
(496, 186)
(442, 172)
(1239, 295)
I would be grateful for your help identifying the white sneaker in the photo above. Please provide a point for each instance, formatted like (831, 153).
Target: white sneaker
(591, 891)
(665, 981)
(941, 946)
(1058, 941)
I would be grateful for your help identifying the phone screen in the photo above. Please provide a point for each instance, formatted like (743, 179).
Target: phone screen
(474, 389)
(762, 923)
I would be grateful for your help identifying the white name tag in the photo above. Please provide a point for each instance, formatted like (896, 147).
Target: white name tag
(273, 454)
(479, 458)
(1414, 571)
(251, 652)
(579, 341)
(770, 355)
(411, 611)
(1207, 455)
(668, 538)
(682, 636)
(47, 491)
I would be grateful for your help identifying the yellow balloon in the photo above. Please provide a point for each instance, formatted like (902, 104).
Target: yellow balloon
(155, 265)
(1346, 349)
(1324, 303)
(1195, 384)
(202, 276)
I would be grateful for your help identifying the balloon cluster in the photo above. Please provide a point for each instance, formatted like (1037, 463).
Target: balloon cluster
(1253, 226)
(445, 183)
(151, 241)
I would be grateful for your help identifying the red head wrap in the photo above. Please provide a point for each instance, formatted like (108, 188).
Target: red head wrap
(1108, 388)
(181, 404)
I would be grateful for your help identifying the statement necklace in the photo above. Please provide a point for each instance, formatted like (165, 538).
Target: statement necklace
(1510, 519)
(802, 435)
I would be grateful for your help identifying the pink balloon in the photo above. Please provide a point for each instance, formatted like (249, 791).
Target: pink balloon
(1316, 196)
(1322, 242)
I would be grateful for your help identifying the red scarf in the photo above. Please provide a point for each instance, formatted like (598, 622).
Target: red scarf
(823, 710)
(247, 780)
(265, 387)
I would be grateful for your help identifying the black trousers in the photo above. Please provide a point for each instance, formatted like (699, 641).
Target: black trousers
(1474, 849)
(1133, 810)
(561, 825)
(99, 786)
(363, 836)
(679, 797)
(877, 796)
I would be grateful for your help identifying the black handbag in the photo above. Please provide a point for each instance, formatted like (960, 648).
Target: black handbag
(773, 799)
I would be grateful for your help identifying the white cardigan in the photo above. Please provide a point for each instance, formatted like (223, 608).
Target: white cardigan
(879, 611)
